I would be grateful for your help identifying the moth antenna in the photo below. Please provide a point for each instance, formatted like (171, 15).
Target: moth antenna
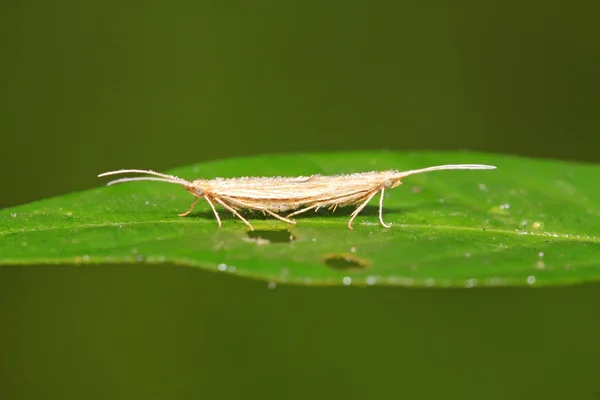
(148, 178)
(166, 178)
(443, 167)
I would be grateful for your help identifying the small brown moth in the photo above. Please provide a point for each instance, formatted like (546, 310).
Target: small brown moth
(273, 195)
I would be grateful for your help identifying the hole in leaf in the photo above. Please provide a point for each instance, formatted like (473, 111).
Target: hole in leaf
(268, 237)
(345, 261)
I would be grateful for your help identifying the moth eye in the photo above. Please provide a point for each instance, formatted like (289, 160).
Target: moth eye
(200, 192)
(388, 184)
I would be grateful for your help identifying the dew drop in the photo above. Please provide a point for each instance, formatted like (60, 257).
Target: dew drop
(222, 267)
(272, 285)
(493, 281)
(537, 225)
(469, 283)
(371, 280)
(347, 280)
(541, 254)
(501, 209)
(531, 279)
(85, 258)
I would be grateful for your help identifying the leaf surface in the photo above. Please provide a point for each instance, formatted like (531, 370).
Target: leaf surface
(530, 222)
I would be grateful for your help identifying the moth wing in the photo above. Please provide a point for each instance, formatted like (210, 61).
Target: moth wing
(311, 178)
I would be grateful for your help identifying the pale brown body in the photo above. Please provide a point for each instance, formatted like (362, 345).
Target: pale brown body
(273, 195)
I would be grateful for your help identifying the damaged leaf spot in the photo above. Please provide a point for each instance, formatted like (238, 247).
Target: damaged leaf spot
(343, 261)
(263, 237)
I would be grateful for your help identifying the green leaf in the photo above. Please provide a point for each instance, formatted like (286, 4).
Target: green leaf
(530, 222)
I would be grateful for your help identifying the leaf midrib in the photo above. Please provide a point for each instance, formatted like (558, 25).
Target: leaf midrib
(554, 235)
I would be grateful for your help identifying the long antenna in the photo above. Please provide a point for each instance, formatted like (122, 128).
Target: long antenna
(443, 167)
(161, 177)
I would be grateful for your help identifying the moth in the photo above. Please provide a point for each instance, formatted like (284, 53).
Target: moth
(274, 195)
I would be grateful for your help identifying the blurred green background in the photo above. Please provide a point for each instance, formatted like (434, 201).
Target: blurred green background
(90, 86)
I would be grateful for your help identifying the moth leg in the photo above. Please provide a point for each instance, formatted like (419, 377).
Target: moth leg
(359, 209)
(214, 210)
(301, 211)
(191, 208)
(234, 213)
(284, 219)
(265, 212)
(381, 210)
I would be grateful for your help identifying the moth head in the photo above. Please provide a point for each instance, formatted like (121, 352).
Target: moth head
(197, 187)
(392, 180)
(392, 183)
